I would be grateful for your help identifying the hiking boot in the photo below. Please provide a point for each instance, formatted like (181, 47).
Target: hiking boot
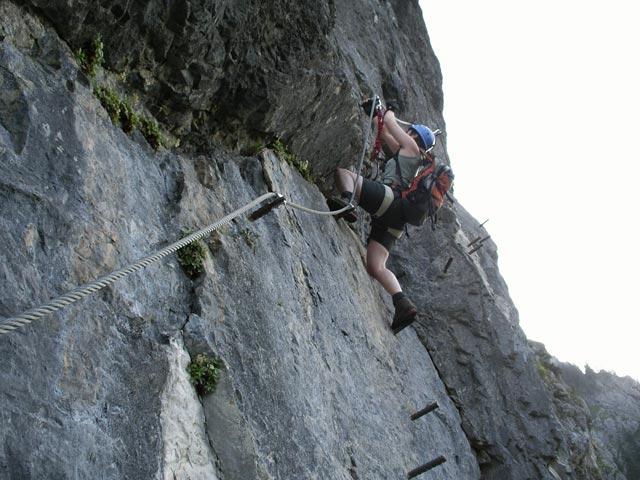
(336, 203)
(405, 315)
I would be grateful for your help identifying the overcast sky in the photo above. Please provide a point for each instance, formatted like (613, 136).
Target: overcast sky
(542, 106)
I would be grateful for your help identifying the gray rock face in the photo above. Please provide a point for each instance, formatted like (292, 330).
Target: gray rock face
(244, 72)
(614, 404)
(601, 414)
(73, 385)
(470, 329)
(314, 384)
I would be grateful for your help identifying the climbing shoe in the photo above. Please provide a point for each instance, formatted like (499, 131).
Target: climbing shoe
(336, 203)
(405, 315)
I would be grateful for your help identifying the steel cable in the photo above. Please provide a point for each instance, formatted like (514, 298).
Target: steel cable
(358, 174)
(12, 323)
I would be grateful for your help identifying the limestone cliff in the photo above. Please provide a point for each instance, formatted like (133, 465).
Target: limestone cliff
(314, 385)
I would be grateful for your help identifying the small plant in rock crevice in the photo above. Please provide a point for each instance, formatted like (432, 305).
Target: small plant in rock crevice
(249, 237)
(205, 373)
(543, 371)
(110, 101)
(192, 256)
(93, 58)
(301, 165)
(120, 110)
(151, 131)
(252, 149)
(282, 152)
(129, 119)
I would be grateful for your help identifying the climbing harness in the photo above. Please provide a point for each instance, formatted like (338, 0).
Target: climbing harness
(12, 323)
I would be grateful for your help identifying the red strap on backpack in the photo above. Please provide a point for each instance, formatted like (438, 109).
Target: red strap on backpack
(428, 166)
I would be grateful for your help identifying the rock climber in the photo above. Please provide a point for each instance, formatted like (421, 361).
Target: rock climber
(381, 199)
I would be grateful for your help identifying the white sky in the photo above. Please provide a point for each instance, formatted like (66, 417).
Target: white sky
(542, 105)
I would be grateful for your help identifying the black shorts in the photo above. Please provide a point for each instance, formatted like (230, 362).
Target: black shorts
(385, 207)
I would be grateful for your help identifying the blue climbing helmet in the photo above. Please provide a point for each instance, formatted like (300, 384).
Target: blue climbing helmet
(427, 136)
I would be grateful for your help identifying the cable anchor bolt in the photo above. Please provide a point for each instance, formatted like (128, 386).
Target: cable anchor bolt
(262, 211)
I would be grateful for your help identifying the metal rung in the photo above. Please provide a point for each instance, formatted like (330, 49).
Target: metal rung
(429, 408)
(448, 264)
(427, 466)
(479, 243)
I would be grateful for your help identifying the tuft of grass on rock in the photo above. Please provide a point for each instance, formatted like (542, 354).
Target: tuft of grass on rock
(191, 257)
(110, 101)
(249, 237)
(301, 165)
(119, 109)
(129, 119)
(93, 58)
(205, 373)
(122, 113)
(151, 131)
